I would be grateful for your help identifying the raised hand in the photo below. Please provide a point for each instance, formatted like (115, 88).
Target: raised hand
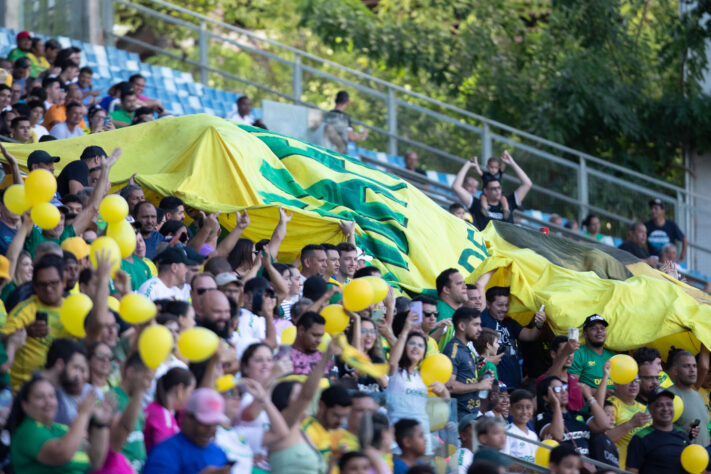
(284, 218)
(242, 220)
(347, 227)
(112, 158)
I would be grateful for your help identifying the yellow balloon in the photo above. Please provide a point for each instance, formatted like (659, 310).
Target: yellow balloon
(436, 368)
(74, 311)
(678, 407)
(694, 459)
(45, 215)
(357, 295)
(623, 369)
(155, 345)
(110, 246)
(325, 341)
(198, 344)
(380, 288)
(288, 335)
(14, 199)
(113, 208)
(40, 186)
(123, 234)
(543, 455)
(438, 413)
(136, 309)
(336, 319)
(114, 304)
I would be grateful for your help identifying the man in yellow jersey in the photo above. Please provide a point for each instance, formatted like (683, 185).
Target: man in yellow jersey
(39, 315)
(325, 428)
(630, 417)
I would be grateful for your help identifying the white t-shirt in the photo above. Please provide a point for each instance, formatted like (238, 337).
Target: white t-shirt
(40, 131)
(236, 117)
(253, 430)
(236, 448)
(519, 448)
(460, 461)
(154, 289)
(250, 329)
(61, 131)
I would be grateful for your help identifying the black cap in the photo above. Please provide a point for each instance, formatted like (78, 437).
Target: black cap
(174, 255)
(657, 202)
(92, 151)
(40, 156)
(661, 392)
(314, 287)
(594, 318)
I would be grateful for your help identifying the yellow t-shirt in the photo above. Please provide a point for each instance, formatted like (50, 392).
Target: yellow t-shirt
(664, 380)
(327, 441)
(33, 354)
(432, 347)
(623, 413)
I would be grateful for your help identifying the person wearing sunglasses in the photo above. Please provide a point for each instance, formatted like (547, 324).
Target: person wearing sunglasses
(406, 393)
(566, 426)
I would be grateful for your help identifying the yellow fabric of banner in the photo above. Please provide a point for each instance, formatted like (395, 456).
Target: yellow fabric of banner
(645, 309)
(213, 164)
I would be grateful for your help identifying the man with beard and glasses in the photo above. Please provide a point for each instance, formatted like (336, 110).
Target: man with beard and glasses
(172, 271)
(589, 360)
(256, 317)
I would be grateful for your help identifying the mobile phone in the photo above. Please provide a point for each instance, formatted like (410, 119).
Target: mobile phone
(376, 315)
(696, 423)
(283, 352)
(416, 307)
(41, 316)
(573, 334)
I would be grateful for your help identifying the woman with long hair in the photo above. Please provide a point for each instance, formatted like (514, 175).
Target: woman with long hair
(101, 364)
(371, 344)
(41, 445)
(173, 391)
(406, 391)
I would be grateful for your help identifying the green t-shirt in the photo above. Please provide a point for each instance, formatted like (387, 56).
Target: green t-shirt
(587, 366)
(489, 366)
(36, 237)
(134, 449)
(445, 311)
(138, 271)
(121, 115)
(27, 443)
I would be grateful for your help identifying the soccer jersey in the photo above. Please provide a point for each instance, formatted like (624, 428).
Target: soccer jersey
(624, 413)
(587, 366)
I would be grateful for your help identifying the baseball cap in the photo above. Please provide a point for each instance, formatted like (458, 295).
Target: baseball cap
(594, 318)
(4, 267)
(207, 406)
(174, 255)
(661, 392)
(23, 35)
(77, 246)
(656, 202)
(224, 278)
(466, 420)
(91, 152)
(40, 156)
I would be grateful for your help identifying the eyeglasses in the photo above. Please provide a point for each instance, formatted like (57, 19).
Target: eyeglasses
(231, 393)
(560, 388)
(368, 331)
(103, 357)
(494, 188)
(48, 284)
(428, 314)
(635, 381)
(648, 378)
(416, 344)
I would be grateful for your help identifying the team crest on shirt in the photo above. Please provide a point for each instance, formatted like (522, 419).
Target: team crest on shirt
(591, 363)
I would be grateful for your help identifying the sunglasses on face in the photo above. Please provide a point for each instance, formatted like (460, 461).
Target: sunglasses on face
(369, 331)
(560, 388)
(416, 344)
(428, 314)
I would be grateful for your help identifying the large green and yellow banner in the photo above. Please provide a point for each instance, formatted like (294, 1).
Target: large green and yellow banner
(213, 164)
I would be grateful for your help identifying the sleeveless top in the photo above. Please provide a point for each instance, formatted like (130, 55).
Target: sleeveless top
(302, 458)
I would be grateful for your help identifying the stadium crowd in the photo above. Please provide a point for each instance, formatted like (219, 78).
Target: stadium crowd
(278, 395)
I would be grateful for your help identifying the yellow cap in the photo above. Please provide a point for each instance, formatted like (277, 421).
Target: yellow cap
(4, 267)
(77, 246)
(225, 383)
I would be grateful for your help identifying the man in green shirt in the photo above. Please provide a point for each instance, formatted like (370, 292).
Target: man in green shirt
(135, 380)
(123, 115)
(451, 293)
(589, 359)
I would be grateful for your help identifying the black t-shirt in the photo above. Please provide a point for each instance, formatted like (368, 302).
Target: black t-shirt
(495, 211)
(577, 432)
(659, 236)
(634, 249)
(604, 450)
(77, 171)
(657, 452)
(509, 369)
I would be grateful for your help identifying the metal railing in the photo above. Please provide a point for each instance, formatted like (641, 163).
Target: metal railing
(568, 181)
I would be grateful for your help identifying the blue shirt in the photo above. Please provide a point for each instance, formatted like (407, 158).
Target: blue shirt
(6, 235)
(508, 370)
(179, 455)
(151, 244)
